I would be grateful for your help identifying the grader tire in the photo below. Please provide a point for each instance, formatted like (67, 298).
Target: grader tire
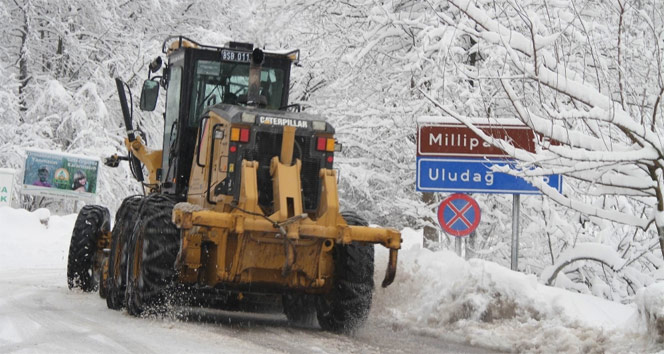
(346, 307)
(152, 254)
(91, 223)
(300, 309)
(125, 219)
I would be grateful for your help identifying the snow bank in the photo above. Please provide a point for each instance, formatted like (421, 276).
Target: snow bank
(480, 302)
(34, 239)
(650, 302)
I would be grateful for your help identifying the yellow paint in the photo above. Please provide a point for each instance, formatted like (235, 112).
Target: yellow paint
(245, 248)
(287, 141)
(150, 158)
(230, 240)
(176, 45)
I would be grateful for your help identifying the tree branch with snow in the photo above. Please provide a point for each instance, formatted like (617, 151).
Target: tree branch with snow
(591, 109)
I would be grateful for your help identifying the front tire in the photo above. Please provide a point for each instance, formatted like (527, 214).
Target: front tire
(152, 254)
(346, 307)
(91, 223)
(117, 259)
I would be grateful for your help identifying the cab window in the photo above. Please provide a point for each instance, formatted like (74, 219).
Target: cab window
(228, 82)
(172, 113)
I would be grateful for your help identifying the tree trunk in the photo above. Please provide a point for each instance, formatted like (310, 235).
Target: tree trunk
(430, 233)
(23, 76)
(659, 179)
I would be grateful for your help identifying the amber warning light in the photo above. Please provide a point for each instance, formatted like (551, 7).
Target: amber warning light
(325, 144)
(240, 134)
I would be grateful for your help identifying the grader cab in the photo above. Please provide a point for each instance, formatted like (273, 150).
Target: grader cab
(241, 199)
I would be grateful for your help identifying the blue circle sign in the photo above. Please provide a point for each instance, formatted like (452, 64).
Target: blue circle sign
(459, 214)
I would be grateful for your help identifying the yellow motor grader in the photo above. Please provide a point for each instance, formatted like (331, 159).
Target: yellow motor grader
(241, 201)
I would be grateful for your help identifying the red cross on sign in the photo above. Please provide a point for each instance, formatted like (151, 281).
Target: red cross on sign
(459, 214)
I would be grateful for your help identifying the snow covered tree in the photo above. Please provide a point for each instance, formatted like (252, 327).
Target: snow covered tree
(586, 76)
(570, 77)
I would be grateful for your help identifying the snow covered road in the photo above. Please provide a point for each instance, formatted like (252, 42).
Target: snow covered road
(439, 303)
(38, 314)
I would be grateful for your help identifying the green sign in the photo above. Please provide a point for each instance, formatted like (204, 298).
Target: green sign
(6, 184)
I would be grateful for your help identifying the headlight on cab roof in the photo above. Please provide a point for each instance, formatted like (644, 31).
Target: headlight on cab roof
(318, 125)
(248, 118)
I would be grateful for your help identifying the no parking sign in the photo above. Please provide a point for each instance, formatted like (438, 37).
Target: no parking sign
(459, 214)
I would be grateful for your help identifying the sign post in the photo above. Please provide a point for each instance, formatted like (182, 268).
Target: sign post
(452, 158)
(6, 186)
(516, 208)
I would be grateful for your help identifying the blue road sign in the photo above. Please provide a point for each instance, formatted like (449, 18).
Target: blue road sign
(472, 175)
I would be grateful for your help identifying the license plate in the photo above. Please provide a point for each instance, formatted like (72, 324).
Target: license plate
(235, 55)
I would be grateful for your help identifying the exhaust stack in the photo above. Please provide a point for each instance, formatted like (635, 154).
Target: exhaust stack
(254, 95)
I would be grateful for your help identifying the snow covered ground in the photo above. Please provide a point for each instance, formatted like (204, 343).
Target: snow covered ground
(435, 294)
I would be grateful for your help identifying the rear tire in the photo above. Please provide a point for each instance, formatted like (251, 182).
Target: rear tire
(125, 219)
(346, 307)
(300, 309)
(91, 223)
(152, 253)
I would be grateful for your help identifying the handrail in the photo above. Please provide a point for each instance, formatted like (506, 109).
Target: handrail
(199, 140)
(209, 183)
